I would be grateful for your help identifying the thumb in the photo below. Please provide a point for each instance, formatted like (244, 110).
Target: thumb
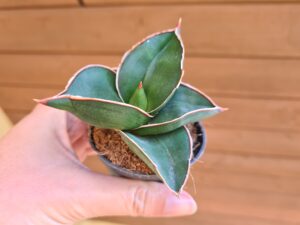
(108, 196)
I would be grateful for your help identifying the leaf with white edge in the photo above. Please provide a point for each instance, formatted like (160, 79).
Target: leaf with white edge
(156, 61)
(91, 96)
(188, 105)
(93, 81)
(168, 155)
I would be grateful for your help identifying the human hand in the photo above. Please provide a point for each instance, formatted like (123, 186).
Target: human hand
(42, 180)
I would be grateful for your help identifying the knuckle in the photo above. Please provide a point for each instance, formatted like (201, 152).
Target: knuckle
(140, 197)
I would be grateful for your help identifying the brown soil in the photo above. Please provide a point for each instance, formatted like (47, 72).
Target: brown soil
(194, 134)
(110, 144)
(193, 131)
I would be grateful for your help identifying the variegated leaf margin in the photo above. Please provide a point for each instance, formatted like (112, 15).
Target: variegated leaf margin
(154, 127)
(163, 165)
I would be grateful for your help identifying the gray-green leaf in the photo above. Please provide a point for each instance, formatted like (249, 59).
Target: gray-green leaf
(167, 154)
(91, 96)
(157, 62)
(186, 106)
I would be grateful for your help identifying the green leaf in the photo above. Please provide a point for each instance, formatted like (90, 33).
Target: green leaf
(157, 62)
(91, 96)
(186, 106)
(168, 155)
(139, 98)
(93, 81)
(101, 113)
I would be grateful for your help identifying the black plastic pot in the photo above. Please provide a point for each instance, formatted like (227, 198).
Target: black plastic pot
(198, 150)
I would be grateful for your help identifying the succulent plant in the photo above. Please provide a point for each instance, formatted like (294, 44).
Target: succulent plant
(145, 101)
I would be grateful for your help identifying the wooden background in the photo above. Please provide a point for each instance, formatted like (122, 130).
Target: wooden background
(244, 53)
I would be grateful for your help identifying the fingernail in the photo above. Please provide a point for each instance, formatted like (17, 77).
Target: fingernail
(180, 205)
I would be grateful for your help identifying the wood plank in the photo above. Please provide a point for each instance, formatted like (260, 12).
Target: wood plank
(93, 222)
(29, 3)
(248, 164)
(281, 115)
(22, 98)
(202, 217)
(263, 143)
(231, 30)
(256, 204)
(151, 2)
(245, 77)
(250, 182)
(258, 113)
(220, 76)
(43, 70)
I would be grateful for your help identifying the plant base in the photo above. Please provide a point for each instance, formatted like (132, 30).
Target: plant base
(109, 144)
(121, 161)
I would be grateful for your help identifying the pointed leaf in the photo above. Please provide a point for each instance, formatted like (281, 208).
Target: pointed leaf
(186, 106)
(100, 113)
(139, 98)
(168, 155)
(93, 81)
(91, 96)
(157, 62)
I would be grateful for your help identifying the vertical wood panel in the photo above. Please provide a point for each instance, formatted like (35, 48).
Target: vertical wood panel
(222, 76)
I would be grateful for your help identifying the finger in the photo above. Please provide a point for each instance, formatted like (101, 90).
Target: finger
(78, 136)
(106, 196)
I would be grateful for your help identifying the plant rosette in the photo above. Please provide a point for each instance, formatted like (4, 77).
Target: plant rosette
(145, 106)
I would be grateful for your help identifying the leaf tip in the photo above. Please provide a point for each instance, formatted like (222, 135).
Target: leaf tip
(178, 27)
(140, 86)
(223, 109)
(40, 101)
(179, 23)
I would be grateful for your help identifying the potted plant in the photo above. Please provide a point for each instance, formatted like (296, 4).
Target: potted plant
(143, 118)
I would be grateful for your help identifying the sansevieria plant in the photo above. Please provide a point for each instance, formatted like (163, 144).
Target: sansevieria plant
(145, 101)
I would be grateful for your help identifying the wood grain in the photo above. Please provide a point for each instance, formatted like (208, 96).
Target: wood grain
(254, 78)
(29, 3)
(151, 2)
(258, 113)
(16, 115)
(264, 143)
(204, 217)
(227, 30)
